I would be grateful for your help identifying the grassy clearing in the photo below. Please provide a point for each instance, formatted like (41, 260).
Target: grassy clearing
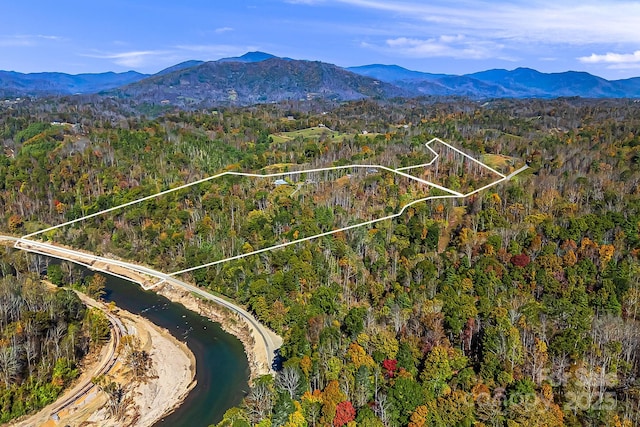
(314, 133)
(497, 161)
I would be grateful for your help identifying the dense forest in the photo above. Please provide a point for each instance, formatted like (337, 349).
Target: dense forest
(45, 335)
(517, 306)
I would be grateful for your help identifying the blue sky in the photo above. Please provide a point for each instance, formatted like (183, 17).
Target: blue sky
(438, 36)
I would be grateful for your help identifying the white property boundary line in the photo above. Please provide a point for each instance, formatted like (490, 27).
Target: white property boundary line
(271, 175)
(293, 242)
(452, 194)
(454, 149)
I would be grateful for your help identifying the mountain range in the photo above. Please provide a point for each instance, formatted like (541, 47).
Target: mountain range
(243, 81)
(259, 77)
(38, 84)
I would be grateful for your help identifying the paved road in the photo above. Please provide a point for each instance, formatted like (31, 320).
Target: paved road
(516, 172)
(272, 342)
(110, 359)
(8, 239)
(142, 274)
(82, 388)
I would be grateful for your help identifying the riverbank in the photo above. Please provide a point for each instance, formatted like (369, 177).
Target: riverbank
(172, 377)
(230, 322)
(260, 343)
(147, 401)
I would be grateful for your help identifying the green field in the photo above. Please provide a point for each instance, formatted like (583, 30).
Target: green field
(314, 133)
(497, 161)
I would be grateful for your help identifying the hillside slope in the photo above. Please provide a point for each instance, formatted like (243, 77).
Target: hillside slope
(270, 80)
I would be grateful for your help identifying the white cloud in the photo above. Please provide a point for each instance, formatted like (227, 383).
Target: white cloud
(459, 47)
(45, 37)
(535, 21)
(216, 50)
(223, 30)
(134, 59)
(451, 39)
(15, 42)
(153, 58)
(24, 40)
(612, 58)
(494, 29)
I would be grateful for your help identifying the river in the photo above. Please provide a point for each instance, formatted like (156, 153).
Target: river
(222, 370)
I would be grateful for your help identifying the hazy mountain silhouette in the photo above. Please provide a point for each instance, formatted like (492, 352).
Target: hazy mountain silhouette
(258, 77)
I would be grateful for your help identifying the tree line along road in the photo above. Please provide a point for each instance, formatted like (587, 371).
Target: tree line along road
(141, 274)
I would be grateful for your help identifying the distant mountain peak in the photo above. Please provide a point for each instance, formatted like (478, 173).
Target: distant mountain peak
(273, 79)
(249, 57)
(258, 77)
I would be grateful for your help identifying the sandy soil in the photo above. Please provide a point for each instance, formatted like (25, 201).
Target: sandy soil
(232, 323)
(173, 377)
(173, 373)
(254, 345)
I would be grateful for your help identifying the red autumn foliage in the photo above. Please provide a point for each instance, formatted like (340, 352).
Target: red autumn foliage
(521, 260)
(391, 365)
(345, 412)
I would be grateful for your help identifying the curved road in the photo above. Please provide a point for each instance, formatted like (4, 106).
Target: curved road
(141, 275)
(82, 388)
(117, 331)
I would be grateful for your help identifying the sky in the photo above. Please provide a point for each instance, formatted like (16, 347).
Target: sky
(438, 36)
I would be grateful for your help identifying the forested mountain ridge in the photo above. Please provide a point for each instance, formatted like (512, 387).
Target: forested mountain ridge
(518, 83)
(265, 81)
(516, 307)
(259, 77)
